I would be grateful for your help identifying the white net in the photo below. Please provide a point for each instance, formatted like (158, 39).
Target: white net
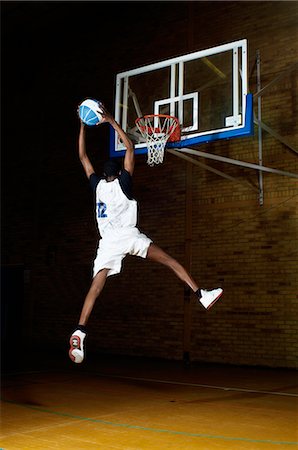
(157, 130)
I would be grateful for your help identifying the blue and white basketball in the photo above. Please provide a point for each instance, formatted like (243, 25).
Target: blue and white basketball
(90, 112)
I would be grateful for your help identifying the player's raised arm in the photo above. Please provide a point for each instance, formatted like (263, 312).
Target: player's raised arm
(82, 152)
(129, 159)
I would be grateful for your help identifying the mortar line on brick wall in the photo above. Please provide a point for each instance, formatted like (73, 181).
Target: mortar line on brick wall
(251, 219)
(276, 80)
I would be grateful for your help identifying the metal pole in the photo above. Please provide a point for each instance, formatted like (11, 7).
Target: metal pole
(188, 259)
(277, 136)
(261, 190)
(236, 162)
(278, 78)
(188, 221)
(211, 169)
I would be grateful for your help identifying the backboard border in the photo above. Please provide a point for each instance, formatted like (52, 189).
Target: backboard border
(244, 131)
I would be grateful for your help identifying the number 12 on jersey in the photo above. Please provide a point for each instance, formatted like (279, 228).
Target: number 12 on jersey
(101, 209)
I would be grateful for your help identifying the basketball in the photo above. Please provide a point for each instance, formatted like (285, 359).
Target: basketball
(90, 112)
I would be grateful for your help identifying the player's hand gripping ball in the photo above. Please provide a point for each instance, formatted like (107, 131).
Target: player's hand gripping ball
(90, 112)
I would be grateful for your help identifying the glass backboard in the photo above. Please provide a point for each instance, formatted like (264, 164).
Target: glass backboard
(206, 90)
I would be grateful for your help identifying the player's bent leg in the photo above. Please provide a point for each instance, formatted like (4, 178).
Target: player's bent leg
(155, 253)
(77, 345)
(207, 298)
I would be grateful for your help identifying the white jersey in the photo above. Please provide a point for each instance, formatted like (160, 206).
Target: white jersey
(113, 209)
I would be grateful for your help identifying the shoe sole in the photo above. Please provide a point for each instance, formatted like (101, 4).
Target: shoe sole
(74, 347)
(215, 300)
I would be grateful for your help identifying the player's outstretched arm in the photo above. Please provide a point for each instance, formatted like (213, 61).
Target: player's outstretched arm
(129, 159)
(82, 152)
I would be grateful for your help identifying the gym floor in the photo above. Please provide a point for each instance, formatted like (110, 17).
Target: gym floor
(122, 403)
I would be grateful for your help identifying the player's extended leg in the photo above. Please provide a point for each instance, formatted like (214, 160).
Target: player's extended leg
(205, 297)
(94, 291)
(76, 352)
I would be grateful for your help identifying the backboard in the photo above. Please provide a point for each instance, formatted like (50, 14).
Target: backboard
(206, 90)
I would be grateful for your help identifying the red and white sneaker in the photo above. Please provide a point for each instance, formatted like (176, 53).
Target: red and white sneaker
(209, 298)
(76, 351)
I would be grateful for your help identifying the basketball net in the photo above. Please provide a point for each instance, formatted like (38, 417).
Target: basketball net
(157, 130)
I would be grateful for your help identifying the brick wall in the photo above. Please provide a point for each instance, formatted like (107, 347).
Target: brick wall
(248, 249)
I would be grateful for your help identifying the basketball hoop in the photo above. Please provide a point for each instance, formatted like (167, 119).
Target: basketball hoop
(157, 130)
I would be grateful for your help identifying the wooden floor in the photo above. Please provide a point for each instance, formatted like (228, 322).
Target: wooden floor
(111, 403)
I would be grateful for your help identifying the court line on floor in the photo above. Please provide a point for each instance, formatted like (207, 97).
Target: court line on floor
(154, 430)
(207, 386)
(182, 383)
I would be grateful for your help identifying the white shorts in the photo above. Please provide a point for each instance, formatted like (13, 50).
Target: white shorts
(116, 245)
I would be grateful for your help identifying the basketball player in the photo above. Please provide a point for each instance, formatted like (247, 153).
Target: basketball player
(116, 213)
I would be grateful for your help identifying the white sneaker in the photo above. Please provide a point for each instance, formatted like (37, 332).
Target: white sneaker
(208, 298)
(76, 352)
